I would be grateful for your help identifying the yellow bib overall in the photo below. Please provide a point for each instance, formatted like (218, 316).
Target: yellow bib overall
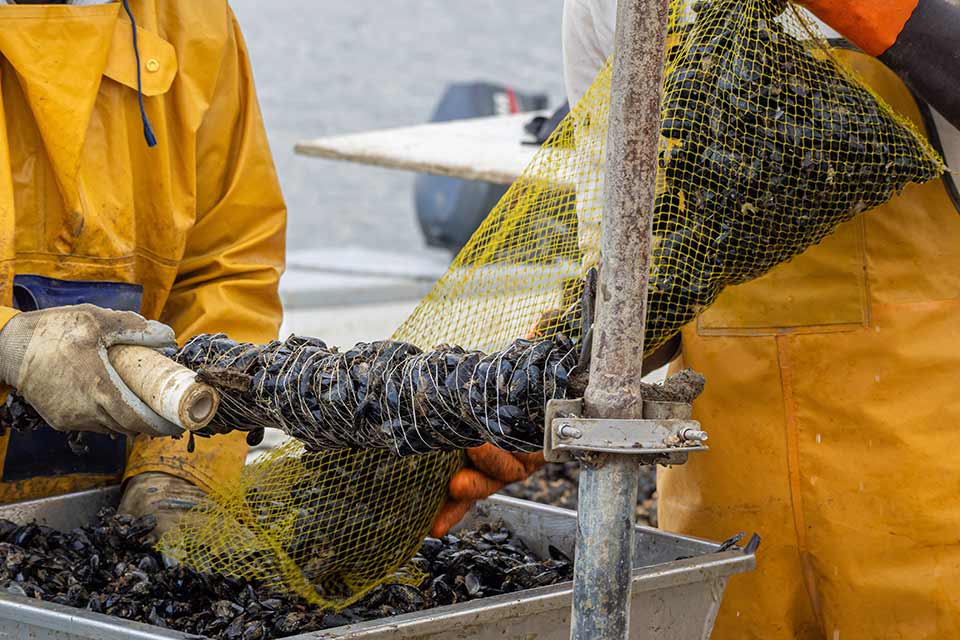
(832, 408)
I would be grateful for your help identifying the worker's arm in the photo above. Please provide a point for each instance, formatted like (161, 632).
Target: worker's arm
(6, 315)
(915, 38)
(229, 274)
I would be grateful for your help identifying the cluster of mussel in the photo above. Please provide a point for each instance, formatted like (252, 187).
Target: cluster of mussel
(380, 395)
(109, 567)
(386, 394)
(767, 145)
(485, 562)
(16, 413)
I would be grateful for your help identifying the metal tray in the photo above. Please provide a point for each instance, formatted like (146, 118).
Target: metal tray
(675, 599)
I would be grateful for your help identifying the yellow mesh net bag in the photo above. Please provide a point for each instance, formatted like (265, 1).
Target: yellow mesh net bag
(767, 144)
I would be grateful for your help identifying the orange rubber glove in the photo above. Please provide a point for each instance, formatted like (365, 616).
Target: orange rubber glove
(872, 25)
(488, 470)
(917, 39)
(541, 328)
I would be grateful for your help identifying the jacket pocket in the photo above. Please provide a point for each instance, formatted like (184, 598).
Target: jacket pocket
(823, 289)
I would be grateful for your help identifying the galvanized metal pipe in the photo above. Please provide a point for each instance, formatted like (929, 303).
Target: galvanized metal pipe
(608, 483)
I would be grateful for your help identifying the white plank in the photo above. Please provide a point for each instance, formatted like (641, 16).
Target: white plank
(489, 149)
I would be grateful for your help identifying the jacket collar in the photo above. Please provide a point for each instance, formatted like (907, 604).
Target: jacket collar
(61, 75)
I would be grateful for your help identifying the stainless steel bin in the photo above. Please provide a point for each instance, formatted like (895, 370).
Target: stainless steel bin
(673, 599)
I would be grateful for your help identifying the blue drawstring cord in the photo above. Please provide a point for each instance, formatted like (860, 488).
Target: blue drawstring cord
(147, 131)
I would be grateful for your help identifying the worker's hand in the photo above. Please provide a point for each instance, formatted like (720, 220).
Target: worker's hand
(57, 359)
(546, 321)
(871, 25)
(488, 470)
(915, 39)
(165, 497)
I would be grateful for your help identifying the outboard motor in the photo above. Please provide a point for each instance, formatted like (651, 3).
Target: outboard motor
(542, 127)
(449, 210)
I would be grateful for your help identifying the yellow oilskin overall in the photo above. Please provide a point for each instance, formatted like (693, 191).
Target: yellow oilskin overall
(189, 232)
(832, 408)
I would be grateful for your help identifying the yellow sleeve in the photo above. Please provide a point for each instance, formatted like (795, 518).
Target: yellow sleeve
(6, 313)
(228, 279)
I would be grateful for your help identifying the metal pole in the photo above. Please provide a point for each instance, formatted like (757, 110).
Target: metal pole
(608, 483)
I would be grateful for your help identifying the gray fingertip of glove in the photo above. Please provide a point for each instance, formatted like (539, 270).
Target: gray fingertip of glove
(154, 335)
(160, 336)
(137, 331)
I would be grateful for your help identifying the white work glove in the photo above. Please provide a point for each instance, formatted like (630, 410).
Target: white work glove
(57, 360)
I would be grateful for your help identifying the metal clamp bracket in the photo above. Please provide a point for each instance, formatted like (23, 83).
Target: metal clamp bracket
(666, 434)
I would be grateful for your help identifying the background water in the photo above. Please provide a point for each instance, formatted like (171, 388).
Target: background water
(326, 67)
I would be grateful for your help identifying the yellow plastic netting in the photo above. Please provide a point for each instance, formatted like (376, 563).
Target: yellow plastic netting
(767, 145)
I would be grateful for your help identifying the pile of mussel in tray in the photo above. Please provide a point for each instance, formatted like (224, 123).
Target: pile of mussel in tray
(110, 567)
(558, 484)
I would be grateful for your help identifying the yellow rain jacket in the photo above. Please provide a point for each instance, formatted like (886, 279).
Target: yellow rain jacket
(832, 409)
(190, 232)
